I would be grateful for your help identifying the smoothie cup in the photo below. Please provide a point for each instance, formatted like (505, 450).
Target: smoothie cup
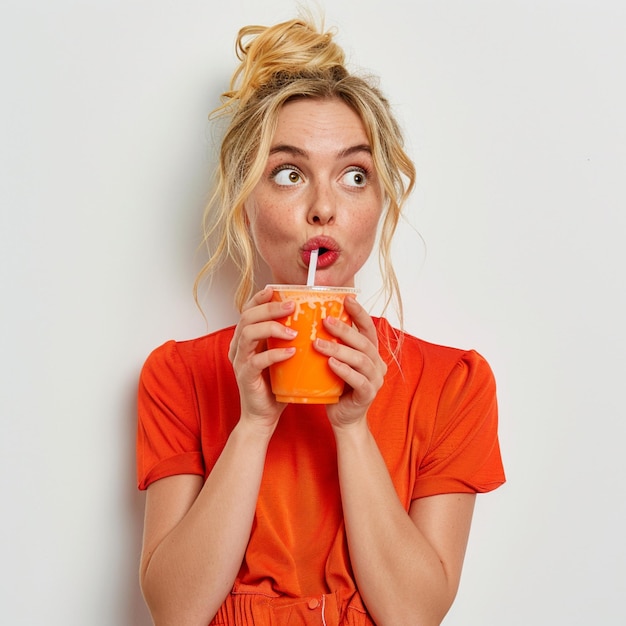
(306, 377)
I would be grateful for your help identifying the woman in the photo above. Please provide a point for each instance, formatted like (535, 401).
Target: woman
(354, 513)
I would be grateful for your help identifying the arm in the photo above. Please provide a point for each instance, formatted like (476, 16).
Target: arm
(407, 565)
(195, 535)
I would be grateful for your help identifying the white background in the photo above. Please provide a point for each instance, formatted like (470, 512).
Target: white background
(514, 111)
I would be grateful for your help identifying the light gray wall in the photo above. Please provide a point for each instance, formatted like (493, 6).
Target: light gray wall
(514, 113)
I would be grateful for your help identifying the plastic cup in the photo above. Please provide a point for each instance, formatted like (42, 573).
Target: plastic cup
(306, 377)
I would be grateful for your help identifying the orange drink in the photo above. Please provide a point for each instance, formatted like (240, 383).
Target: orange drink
(306, 377)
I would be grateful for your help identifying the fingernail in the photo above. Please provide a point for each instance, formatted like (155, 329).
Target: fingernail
(288, 305)
(290, 331)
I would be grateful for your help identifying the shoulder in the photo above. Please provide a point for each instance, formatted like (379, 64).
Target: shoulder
(175, 355)
(448, 398)
(424, 358)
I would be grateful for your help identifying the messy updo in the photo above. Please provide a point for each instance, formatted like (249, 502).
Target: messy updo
(280, 63)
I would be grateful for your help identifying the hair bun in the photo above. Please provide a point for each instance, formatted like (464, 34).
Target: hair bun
(292, 47)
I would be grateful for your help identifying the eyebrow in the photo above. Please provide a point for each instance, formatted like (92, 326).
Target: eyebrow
(295, 151)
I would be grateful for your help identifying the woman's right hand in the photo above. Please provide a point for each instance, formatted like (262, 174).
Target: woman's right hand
(250, 356)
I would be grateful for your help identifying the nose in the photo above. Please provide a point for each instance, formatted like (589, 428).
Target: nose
(322, 205)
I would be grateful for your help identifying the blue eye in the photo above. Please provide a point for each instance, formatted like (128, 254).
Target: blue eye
(287, 176)
(356, 177)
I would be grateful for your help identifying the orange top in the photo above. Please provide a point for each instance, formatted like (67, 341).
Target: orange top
(435, 422)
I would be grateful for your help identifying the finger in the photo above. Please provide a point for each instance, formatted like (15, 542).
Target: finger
(363, 388)
(364, 339)
(248, 338)
(260, 297)
(252, 334)
(361, 319)
(354, 358)
(262, 360)
(254, 313)
(266, 311)
(358, 370)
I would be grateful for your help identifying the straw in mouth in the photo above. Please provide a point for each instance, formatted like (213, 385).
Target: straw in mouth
(310, 279)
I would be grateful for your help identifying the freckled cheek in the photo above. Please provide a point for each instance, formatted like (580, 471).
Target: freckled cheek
(258, 222)
(269, 236)
(265, 215)
(365, 233)
(267, 233)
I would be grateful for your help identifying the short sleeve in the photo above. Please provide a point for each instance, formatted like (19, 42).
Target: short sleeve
(464, 453)
(168, 429)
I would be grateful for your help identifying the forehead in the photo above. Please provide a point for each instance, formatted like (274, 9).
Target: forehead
(312, 121)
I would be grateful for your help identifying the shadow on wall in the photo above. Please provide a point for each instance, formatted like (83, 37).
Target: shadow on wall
(220, 311)
(135, 612)
(216, 299)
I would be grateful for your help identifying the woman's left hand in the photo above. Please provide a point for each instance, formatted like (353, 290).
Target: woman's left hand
(356, 360)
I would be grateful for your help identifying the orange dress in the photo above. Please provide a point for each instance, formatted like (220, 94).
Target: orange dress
(435, 422)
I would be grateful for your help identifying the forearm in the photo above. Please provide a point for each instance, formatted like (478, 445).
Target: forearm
(191, 571)
(399, 575)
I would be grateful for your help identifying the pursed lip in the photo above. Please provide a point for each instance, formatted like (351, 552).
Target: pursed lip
(328, 247)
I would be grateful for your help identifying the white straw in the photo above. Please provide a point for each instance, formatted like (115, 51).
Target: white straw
(310, 279)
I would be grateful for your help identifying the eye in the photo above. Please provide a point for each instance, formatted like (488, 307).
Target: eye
(286, 176)
(356, 177)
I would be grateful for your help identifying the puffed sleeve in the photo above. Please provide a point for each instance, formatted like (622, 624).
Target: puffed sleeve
(463, 454)
(168, 430)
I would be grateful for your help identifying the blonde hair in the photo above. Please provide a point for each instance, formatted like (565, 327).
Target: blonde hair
(277, 64)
